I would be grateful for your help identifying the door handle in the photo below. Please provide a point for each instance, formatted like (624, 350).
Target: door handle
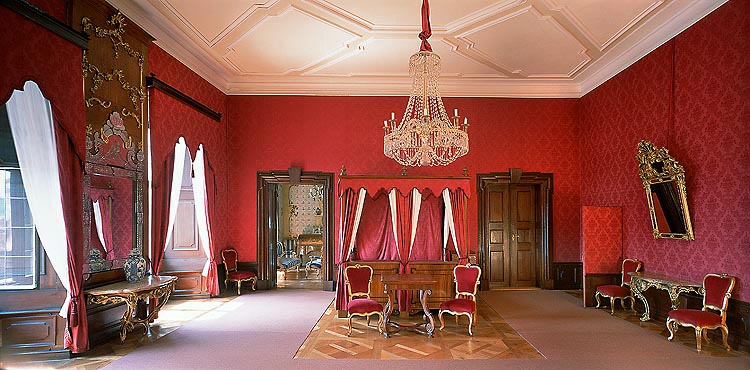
(513, 237)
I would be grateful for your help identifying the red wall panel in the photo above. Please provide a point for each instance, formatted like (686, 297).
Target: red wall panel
(171, 119)
(324, 133)
(706, 127)
(601, 239)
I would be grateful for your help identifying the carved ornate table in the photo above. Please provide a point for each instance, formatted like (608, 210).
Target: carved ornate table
(641, 281)
(153, 287)
(396, 282)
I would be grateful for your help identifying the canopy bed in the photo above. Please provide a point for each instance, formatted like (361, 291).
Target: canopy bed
(402, 225)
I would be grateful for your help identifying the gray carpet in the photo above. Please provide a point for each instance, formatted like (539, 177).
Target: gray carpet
(264, 329)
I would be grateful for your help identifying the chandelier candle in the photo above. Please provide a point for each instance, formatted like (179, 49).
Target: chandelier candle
(426, 136)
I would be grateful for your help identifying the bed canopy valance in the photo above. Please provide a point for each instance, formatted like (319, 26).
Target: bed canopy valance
(400, 218)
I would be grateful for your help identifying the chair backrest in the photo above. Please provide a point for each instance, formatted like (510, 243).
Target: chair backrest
(229, 257)
(287, 248)
(717, 290)
(630, 265)
(467, 280)
(358, 279)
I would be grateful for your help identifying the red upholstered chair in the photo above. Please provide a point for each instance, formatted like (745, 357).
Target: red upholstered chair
(358, 279)
(465, 303)
(717, 290)
(229, 256)
(622, 291)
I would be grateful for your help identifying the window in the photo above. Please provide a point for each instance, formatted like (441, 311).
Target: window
(19, 246)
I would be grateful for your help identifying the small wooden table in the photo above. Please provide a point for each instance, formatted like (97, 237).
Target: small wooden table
(156, 287)
(396, 282)
(642, 281)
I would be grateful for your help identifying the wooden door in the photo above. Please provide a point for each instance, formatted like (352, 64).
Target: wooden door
(510, 235)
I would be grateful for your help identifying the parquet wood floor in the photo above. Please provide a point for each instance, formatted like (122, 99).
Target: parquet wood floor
(493, 339)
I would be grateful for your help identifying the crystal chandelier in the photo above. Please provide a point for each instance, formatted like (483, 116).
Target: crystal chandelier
(426, 136)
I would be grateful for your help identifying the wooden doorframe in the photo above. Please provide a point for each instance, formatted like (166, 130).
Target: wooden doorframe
(265, 252)
(542, 183)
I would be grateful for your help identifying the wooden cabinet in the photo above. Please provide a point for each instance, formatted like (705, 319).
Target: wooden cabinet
(444, 289)
(34, 334)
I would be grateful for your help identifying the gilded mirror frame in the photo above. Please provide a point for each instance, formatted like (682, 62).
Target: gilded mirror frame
(656, 166)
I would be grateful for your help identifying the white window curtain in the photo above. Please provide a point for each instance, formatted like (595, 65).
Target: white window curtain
(181, 155)
(98, 223)
(449, 224)
(394, 218)
(201, 211)
(30, 117)
(357, 218)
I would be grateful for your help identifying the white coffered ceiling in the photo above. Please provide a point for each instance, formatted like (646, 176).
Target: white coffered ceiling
(511, 48)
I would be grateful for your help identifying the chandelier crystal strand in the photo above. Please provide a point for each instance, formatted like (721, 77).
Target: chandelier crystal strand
(426, 136)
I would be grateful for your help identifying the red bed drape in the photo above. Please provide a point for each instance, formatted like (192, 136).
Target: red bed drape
(346, 227)
(375, 240)
(404, 207)
(71, 188)
(162, 192)
(458, 205)
(428, 241)
(212, 280)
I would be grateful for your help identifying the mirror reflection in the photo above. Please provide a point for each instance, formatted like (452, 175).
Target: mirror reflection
(664, 181)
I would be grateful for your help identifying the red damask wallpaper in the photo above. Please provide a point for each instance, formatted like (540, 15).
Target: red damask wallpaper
(708, 133)
(171, 119)
(324, 133)
(601, 239)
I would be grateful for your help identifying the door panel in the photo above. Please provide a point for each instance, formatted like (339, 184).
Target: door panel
(523, 263)
(498, 231)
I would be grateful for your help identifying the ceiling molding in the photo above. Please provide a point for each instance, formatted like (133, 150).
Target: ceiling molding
(330, 70)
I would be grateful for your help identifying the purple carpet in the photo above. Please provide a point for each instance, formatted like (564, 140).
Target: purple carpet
(263, 330)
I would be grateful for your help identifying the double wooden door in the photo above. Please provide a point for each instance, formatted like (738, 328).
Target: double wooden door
(510, 235)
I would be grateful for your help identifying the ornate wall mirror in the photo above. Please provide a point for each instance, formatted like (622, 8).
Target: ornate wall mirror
(664, 181)
(113, 197)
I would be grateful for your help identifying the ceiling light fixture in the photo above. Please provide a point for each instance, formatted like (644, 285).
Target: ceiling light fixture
(426, 136)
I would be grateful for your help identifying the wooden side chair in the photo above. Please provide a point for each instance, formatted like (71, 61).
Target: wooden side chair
(717, 290)
(229, 257)
(358, 279)
(622, 291)
(465, 302)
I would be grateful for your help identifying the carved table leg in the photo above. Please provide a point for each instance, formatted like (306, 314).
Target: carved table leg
(430, 322)
(387, 314)
(674, 295)
(638, 287)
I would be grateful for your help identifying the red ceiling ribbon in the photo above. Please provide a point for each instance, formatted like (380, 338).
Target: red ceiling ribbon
(426, 30)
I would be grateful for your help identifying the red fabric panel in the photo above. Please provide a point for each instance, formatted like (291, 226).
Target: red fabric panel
(162, 189)
(459, 305)
(601, 236)
(403, 229)
(364, 305)
(229, 257)
(630, 266)
(716, 289)
(212, 280)
(403, 185)
(346, 228)
(458, 205)
(71, 188)
(707, 133)
(616, 291)
(241, 275)
(375, 240)
(428, 241)
(466, 278)
(359, 279)
(695, 317)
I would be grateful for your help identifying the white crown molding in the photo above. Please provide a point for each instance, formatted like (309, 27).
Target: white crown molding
(176, 44)
(662, 27)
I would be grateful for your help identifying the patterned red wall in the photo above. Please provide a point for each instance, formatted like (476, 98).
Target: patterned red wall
(601, 239)
(708, 134)
(324, 133)
(171, 119)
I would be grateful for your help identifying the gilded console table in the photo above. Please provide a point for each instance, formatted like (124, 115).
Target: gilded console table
(392, 284)
(641, 281)
(153, 287)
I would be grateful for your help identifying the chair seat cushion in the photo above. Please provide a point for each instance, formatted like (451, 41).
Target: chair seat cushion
(363, 305)
(240, 275)
(459, 305)
(289, 262)
(695, 317)
(614, 290)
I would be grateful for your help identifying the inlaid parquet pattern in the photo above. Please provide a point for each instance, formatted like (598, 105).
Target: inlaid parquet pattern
(493, 339)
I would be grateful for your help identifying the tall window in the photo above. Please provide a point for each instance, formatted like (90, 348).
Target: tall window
(19, 247)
